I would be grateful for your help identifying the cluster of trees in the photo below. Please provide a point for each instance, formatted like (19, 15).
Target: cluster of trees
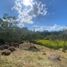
(10, 32)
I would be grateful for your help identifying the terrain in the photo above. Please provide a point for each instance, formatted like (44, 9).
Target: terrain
(21, 47)
(39, 56)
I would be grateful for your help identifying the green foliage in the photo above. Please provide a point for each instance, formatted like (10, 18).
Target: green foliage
(10, 32)
(55, 44)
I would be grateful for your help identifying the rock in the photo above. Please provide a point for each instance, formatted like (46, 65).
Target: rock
(14, 44)
(33, 48)
(44, 53)
(12, 48)
(54, 57)
(60, 49)
(2, 47)
(5, 46)
(6, 52)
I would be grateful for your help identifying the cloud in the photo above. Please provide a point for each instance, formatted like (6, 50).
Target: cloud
(54, 27)
(29, 9)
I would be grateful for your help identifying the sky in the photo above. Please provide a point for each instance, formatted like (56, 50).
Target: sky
(53, 17)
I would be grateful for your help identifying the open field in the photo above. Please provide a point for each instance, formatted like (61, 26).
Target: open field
(27, 58)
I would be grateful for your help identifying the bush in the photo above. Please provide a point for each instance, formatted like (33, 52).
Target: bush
(64, 47)
(2, 41)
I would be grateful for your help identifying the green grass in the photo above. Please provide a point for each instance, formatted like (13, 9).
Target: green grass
(56, 44)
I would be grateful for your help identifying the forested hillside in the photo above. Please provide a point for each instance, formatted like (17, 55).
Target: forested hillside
(9, 31)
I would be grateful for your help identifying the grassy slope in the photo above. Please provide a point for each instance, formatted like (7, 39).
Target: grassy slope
(25, 58)
(52, 44)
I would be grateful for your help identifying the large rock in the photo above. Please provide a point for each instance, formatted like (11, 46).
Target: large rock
(33, 48)
(54, 57)
(14, 44)
(12, 48)
(2, 47)
(6, 46)
(6, 52)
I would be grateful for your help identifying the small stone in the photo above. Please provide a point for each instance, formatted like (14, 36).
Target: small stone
(44, 53)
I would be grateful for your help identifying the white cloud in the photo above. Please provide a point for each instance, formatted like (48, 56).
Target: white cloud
(54, 27)
(29, 9)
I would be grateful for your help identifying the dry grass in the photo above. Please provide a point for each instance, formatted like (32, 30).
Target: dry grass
(25, 58)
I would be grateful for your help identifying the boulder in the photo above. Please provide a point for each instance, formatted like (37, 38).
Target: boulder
(11, 48)
(14, 44)
(54, 57)
(6, 52)
(33, 48)
(5, 46)
(2, 47)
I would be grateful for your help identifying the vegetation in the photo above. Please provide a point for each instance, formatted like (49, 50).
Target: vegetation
(27, 58)
(18, 46)
(10, 33)
(55, 44)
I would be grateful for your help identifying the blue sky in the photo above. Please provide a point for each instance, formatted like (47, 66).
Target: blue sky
(57, 12)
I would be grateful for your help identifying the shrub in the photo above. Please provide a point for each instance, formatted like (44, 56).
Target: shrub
(2, 41)
(64, 47)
